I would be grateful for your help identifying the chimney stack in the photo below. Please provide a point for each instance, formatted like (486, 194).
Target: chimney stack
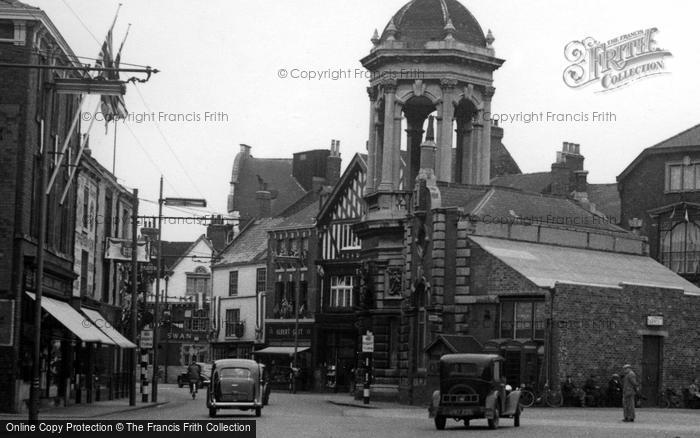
(333, 163)
(245, 149)
(264, 198)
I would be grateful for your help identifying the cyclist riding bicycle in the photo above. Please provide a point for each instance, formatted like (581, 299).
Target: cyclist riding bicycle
(193, 373)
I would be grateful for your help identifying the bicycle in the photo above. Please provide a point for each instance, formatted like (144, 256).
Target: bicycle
(193, 389)
(670, 399)
(548, 397)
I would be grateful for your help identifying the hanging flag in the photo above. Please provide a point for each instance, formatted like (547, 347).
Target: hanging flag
(112, 106)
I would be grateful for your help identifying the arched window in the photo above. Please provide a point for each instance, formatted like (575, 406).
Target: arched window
(680, 248)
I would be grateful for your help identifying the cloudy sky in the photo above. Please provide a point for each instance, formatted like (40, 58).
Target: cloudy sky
(222, 56)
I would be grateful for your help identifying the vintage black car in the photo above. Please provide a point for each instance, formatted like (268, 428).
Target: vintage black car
(235, 384)
(183, 379)
(472, 386)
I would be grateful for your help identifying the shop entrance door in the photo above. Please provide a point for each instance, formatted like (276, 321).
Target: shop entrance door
(651, 368)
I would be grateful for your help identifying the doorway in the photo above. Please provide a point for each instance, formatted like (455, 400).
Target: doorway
(652, 350)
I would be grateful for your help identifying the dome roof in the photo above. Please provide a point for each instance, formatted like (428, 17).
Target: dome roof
(420, 21)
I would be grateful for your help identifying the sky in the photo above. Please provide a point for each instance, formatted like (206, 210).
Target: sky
(220, 62)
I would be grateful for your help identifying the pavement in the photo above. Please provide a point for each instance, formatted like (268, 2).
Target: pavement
(88, 410)
(339, 415)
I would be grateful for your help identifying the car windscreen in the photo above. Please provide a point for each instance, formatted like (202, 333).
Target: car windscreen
(465, 369)
(235, 373)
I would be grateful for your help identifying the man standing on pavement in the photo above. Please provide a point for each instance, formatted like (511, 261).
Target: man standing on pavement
(630, 386)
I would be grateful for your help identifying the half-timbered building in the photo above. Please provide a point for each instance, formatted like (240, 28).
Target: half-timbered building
(338, 268)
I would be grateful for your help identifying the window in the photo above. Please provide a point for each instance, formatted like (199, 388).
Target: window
(341, 291)
(680, 248)
(198, 322)
(683, 176)
(7, 30)
(86, 199)
(233, 317)
(233, 283)
(522, 319)
(261, 280)
(197, 285)
(108, 214)
(83, 273)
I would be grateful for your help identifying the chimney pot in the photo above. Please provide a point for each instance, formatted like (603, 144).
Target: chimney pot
(245, 149)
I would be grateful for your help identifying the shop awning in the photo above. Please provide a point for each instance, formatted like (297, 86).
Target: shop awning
(73, 321)
(289, 351)
(99, 321)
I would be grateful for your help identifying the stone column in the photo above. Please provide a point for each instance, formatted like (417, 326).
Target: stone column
(372, 141)
(485, 144)
(475, 150)
(443, 169)
(390, 148)
(414, 137)
(464, 153)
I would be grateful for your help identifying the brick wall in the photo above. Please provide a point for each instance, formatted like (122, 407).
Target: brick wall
(597, 330)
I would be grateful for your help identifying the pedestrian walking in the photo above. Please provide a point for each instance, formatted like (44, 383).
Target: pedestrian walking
(630, 387)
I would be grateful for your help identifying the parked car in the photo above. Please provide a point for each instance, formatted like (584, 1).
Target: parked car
(235, 384)
(183, 379)
(472, 386)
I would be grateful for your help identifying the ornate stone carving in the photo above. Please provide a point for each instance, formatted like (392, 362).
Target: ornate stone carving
(389, 85)
(418, 87)
(372, 93)
(394, 279)
(448, 83)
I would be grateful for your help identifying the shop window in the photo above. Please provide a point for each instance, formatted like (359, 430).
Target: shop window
(680, 248)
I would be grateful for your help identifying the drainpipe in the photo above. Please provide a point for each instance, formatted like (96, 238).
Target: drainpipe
(550, 339)
(260, 314)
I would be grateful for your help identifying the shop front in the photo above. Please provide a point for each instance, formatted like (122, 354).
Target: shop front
(283, 341)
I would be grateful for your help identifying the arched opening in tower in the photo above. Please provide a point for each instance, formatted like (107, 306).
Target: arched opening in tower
(414, 123)
(468, 130)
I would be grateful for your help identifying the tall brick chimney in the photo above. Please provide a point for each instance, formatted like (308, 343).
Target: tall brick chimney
(333, 163)
(219, 231)
(264, 198)
(567, 172)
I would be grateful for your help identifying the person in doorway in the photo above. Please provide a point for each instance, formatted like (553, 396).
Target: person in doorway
(630, 388)
(694, 394)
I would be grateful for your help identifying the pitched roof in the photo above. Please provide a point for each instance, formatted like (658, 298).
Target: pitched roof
(458, 343)
(357, 164)
(250, 245)
(249, 175)
(688, 138)
(177, 251)
(507, 205)
(173, 252)
(302, 214)
(545, 265)
(606, 199)
(532, 182)
(16, 4)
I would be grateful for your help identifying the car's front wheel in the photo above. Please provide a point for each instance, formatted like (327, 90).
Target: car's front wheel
(493, 423)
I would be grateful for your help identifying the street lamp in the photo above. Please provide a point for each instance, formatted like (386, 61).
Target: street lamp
(172, 202)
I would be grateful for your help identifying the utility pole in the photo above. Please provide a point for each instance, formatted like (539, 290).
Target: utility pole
(297, 286)
(134, 291)
(154, 396)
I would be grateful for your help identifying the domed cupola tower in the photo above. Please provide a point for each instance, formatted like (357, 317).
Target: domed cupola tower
(431, 58)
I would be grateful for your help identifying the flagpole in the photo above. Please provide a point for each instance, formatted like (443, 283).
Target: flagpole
(114, 150)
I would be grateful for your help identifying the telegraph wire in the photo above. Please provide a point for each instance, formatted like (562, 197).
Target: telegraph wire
(165, 140)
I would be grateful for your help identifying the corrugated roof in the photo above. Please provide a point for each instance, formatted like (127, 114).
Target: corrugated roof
(545, 265)
(250, 246)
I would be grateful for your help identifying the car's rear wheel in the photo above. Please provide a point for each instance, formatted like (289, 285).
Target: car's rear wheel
(527, 398)
(516, 417)
(440, 422)
(466, 423)
(493, 423)
(258, 412)
(212, 412)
